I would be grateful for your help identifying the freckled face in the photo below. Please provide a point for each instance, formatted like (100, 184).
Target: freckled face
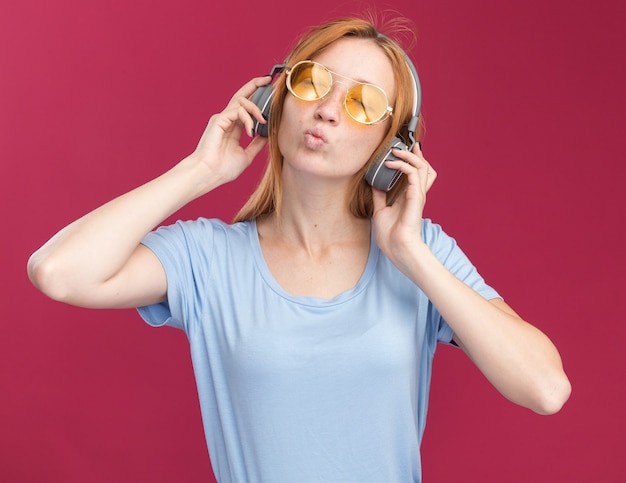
(319, 137)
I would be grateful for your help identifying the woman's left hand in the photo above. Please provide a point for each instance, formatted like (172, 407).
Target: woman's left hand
(397, 227)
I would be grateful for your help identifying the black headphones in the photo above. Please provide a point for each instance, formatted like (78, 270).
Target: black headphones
(378, 175)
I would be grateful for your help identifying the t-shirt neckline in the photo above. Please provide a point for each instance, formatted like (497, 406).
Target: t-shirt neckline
(266, 274)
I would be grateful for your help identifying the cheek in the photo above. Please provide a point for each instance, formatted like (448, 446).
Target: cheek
(369, 140)
(290, 119)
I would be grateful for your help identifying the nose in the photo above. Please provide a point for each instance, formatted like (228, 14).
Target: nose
(331, 106)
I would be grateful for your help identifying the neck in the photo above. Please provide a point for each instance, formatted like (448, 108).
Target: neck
(316, 215)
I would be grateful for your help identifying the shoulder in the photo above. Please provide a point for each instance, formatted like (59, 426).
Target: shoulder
(195, 239)
(445, 247)
(200, 229)
(436, 238)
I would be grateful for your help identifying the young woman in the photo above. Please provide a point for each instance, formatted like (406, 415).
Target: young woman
(312, 319)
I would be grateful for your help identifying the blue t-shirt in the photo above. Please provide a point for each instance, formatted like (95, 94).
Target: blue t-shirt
(302, 389)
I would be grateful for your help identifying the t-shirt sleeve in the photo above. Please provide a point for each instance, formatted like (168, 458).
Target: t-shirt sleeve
(445, 248)
(184, 251)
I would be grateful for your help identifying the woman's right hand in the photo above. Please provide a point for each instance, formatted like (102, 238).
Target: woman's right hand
(220, 148)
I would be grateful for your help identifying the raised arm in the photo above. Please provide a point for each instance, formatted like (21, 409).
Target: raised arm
(517, 358)
(98, 261)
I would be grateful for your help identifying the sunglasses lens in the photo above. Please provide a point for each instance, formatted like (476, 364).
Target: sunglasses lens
(366, 103)
(309, 81)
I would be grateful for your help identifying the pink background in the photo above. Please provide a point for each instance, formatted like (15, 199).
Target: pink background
(524, 105)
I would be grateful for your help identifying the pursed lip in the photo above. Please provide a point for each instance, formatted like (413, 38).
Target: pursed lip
(317, 134)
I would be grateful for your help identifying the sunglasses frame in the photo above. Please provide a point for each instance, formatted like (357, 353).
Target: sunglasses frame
(388, 110)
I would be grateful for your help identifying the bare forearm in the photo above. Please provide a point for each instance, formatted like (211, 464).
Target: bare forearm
(517, 358)
(91, 250)
(98, 261)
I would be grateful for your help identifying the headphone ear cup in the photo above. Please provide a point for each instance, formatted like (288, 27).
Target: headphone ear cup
(262, 97)
(380, 176)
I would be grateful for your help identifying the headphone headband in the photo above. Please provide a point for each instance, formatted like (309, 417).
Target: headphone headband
(417, 89)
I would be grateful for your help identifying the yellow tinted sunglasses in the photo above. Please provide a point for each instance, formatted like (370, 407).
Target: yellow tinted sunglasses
(365, 103)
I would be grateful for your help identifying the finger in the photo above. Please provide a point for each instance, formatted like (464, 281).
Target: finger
(249, 87)
(253, 110)
(240, 112)
(419, 162)
(242, 97)
(379, 199)
(432, 176)
(243, 117)
(255, 147)
(411, 159)
(417, 174)
(417, 149)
